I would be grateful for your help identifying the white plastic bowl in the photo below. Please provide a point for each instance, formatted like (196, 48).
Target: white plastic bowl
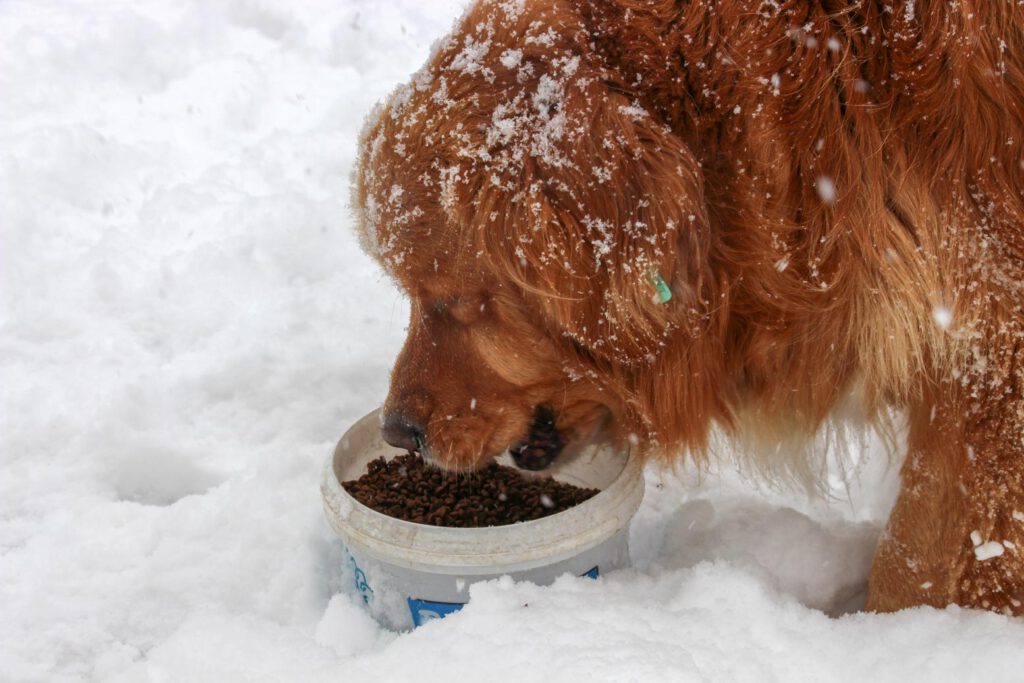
(408, 573)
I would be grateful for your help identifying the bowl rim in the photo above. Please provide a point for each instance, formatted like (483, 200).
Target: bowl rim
(520, 545)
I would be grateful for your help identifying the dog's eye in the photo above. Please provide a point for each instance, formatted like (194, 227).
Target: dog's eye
(462, 309)
(441, 306)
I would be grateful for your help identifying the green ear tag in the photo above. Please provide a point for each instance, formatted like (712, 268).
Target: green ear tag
(664, 293)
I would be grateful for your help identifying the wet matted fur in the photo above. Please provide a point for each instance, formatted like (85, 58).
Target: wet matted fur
(654, 218)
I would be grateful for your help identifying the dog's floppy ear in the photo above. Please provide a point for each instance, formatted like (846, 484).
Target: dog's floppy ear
(606, 226)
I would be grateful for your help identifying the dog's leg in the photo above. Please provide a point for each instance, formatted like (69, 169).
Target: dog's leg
(956, 534)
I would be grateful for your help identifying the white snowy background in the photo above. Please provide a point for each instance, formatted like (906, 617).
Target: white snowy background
(187, 326)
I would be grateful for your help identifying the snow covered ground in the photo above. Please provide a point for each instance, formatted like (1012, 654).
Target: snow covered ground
(187, 325)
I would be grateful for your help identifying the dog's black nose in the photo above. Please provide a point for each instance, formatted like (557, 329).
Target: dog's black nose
(401, 432)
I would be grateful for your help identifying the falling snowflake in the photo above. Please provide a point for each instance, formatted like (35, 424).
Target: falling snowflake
(942, 316)
(826, 189)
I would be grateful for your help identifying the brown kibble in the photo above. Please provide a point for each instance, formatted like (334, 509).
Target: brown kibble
(407, 488)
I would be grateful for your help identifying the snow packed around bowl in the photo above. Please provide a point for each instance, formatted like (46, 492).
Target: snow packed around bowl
(187, 324)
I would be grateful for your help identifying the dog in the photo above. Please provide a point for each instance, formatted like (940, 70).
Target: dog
(659, 220)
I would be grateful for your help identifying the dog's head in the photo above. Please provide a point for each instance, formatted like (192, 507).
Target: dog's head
(549, 231)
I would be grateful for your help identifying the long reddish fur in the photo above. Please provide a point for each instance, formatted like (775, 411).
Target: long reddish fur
(834, 192)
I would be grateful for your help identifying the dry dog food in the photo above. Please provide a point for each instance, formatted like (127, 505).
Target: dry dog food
(407, 488)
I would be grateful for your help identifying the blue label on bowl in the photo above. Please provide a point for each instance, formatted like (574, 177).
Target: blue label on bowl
(426, 610)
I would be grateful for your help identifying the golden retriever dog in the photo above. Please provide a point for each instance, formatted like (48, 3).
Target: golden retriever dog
(666, 219)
